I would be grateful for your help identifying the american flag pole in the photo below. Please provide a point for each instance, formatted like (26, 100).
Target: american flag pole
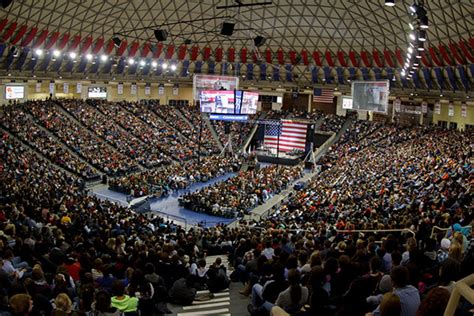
(278, 146)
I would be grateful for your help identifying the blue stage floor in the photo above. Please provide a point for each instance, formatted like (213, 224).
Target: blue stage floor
(169, 206)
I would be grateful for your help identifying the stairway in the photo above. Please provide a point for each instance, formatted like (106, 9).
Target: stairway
(206, 119)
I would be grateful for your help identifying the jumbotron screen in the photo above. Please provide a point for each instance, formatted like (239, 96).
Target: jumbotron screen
(370, 95)
(223, 101)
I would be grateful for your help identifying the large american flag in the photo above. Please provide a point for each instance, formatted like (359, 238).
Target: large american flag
(292, 135)
(323, 95)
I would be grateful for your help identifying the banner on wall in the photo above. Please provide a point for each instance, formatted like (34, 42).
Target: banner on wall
(147, 89)
(397, 104)
(133, 89)
(66, 88)
(120, 88)
(175, 89)
(161, 89)
(437, 108)
(79, 87)
(38, 87)
(424, 107)
(451, 109)
(463, 110)
(51, 87)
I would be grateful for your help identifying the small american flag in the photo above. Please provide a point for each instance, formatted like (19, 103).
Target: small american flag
(323, 95)
(292, 135)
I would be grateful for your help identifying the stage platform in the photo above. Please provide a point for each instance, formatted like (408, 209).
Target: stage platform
(281, 158)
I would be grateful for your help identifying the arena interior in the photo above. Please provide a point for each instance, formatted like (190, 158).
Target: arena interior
(236, 157)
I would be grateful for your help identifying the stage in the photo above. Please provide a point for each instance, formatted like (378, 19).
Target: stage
(281, 158)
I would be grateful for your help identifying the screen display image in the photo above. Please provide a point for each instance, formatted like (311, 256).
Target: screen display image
(249, 103)
(213, 82)
(222, 101)
(370, 95)
(14, 92)
(97, 93)
(347, 103)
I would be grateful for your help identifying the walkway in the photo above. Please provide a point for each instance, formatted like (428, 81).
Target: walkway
(169, 206)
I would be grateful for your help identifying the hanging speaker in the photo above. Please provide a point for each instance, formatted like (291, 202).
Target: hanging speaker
(6, 3)
(259, 41)
(161, 35)
(227, 28)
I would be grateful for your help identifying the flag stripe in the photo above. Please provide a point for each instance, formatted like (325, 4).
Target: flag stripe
(287, 137)
(323, 95)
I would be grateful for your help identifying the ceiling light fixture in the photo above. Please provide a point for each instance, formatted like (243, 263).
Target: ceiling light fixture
(389, 3)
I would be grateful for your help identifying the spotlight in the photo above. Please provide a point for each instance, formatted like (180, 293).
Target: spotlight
(173, 67)
(39, 52)
(131, 61)
(407, 64)
(424, 22)
(89, 57)
(389, 3)
(72, 55)
(414, 8)
(410, 49)
(403, 73)
(165, 65)
(154, 64)
(420, 46)
(411, 26)
(416, 64)
(408, 55)
(412, 36)
(418, 56)
(117, 41)
(103, 57)
(142, 63)
(422, 35)
(56, 53)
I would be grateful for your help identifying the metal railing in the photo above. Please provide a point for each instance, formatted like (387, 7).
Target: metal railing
(465, 230)
(461, 288)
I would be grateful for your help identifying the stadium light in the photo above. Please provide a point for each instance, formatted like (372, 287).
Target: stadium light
(424, 22)
(410, 49)
(142, 63)
(72, 55)
(389, 3)
(165, 65)
(154, 64)
(412, 36)
(56, 53)
(173, 67)
(89, 57)
(103, 57)
(422, 35)
(39, 52)
(412, 27)
(131, 61)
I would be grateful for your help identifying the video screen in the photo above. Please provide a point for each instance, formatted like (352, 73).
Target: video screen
(347, 103)
(14, 92)
(226, 102)
(213, 82)
(370, 95)
(97, 93)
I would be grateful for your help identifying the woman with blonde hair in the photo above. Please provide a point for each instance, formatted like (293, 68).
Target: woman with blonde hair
(63, 305)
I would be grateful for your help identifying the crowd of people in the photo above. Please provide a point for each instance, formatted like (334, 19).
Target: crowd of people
(236, 196)
(20, 124)
(87, 144)
(161, 182)
(64, 251)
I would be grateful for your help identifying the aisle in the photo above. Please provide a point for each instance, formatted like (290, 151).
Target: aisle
(225, 303)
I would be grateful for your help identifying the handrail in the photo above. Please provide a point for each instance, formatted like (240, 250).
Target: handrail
(447, 229)
(461, 288)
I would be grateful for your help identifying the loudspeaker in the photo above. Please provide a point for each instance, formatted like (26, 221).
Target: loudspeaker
(161, 35)
(227, 28)
(259, 41)
(6, 3)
